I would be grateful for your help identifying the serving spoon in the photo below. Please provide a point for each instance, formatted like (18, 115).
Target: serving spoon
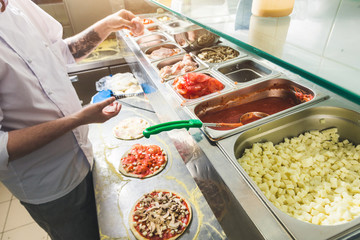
(196, 123)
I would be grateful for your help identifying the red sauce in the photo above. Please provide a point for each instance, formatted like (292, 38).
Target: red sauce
(268, 105)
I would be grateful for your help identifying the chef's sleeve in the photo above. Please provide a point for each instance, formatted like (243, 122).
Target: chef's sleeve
(4, 155)
(53, 31)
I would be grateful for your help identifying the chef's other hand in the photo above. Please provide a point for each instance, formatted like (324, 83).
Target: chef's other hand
(98, 112)
(125, 19)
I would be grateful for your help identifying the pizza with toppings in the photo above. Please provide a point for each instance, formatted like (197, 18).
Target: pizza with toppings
(160, 215)
(143, 161)
(130, 128)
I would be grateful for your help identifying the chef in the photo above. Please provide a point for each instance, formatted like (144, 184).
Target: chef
(45, 155)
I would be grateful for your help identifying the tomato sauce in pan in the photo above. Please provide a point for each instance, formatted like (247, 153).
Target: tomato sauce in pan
(268, 105)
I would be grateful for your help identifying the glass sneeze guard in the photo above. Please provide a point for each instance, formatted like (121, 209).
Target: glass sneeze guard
(319, 40)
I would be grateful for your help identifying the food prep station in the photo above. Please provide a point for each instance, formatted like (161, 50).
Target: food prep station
(203, 162)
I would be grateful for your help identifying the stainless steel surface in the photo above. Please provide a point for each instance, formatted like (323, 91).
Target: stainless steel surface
(79, 67)
(116, 194)
(173, 60)
(244, 215)
(315, 118)
(277, 87)
(245, 70)
(74, 78)
(184, 101)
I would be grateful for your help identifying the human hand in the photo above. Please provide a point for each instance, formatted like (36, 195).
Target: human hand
(98, 112)
(138, 27)
(125, 19)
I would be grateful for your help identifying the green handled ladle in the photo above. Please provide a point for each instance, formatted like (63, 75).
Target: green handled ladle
(196, 123)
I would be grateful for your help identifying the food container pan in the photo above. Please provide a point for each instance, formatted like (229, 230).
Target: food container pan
(153, 28)
(178, 26)
(164, 18)
(192, 39)
(149, 50)
(151, 40)
(183, 101)
(214, 64)
(275, 97)
(149, 16)
(173, 60)
(245, 70)
(319, 117)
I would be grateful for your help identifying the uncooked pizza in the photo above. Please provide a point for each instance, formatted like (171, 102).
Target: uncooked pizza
(160, 215)
(130, 128)
(143, 161)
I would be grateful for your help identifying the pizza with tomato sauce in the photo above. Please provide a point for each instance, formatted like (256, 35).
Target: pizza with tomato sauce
(194, 85)
(143, 161)
(160, 215)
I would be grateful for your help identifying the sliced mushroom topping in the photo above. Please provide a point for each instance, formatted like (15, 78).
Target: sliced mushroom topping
(144, 219)
(173, 224)
(217, 54)
(158, 230)
(160, 212)
(152, 227)
(166, 214)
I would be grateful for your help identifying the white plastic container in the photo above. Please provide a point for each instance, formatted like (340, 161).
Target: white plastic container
(272, 8)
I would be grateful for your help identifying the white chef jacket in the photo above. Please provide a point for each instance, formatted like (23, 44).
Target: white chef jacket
(35, 88)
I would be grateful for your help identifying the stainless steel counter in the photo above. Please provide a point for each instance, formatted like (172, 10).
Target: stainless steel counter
(116, 194)
(226, 201)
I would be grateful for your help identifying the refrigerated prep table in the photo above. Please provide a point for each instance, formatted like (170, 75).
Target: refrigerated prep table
(241, 208)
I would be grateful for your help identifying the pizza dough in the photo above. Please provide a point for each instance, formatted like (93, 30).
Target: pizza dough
(130, 128)
(161, 214)
(143, 161)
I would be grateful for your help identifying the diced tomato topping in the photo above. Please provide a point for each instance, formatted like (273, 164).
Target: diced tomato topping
(147, 21)
(194, 85)
(143, 159)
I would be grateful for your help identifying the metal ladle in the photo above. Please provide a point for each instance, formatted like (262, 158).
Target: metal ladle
(245, 118)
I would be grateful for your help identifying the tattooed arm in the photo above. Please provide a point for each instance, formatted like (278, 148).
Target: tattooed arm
(82, 44)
